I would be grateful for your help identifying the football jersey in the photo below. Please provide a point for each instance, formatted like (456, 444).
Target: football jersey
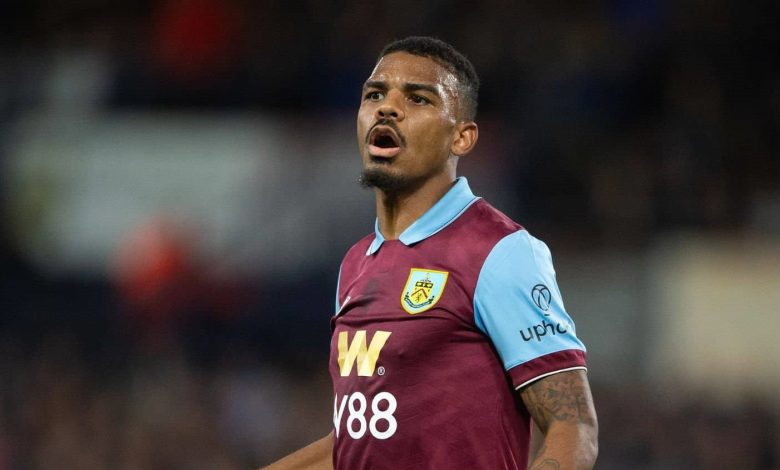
(433, 335)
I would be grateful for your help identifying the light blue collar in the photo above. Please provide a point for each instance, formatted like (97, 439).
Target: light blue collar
(443, 213)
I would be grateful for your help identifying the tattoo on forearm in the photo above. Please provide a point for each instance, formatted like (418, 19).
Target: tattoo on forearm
(548, 464)
(560, 397)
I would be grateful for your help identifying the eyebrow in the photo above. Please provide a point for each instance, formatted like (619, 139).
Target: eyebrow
(407, 87)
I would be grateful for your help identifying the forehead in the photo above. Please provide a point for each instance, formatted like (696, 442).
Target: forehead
(403, 67)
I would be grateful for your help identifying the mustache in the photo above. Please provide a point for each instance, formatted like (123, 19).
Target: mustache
(391, 124)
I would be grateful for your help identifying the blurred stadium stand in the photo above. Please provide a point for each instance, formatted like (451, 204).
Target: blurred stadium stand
(177, 187)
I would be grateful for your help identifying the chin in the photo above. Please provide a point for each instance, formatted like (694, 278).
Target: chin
(378, 176)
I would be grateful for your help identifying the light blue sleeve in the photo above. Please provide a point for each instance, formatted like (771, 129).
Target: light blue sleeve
(517, 302)
(338, 284)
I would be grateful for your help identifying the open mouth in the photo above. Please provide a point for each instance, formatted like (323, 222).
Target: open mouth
(383, 141)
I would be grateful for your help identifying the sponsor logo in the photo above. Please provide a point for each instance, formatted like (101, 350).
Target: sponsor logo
(357, 352)
(423, 290)
(543, 329)
(541, 297)
(380, 423)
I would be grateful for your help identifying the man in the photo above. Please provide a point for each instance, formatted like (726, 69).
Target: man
(450, 334)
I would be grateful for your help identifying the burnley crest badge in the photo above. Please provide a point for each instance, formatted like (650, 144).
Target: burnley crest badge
(423, 289)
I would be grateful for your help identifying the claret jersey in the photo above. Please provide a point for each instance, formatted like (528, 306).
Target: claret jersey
(434, 333)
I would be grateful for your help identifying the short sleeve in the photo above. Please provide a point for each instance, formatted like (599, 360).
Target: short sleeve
(338, 287)
(517, 304)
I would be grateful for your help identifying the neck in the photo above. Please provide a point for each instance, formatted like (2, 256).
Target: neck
(397, 211)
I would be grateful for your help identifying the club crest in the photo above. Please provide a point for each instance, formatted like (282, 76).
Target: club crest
(423, 289)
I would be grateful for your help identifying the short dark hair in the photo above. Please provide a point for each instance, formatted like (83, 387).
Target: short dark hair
(448, 57)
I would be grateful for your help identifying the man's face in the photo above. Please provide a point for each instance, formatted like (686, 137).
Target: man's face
(406, 121)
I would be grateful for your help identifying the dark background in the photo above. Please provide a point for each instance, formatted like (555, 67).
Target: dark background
(162, 340)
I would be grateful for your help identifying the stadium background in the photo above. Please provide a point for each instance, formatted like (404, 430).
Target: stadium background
(178, 186)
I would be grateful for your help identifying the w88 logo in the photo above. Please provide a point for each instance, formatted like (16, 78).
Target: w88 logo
(383, 406)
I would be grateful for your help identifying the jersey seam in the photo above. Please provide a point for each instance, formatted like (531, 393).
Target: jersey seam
(547, 374)
(533, 252)
(518, 364)
(479, 275)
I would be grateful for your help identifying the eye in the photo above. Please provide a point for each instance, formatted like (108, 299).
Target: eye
(417, 99)
(373, 96)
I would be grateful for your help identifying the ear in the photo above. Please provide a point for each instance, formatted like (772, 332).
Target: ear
(466, 135)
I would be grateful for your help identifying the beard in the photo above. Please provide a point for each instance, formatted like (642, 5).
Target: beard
(383, 180)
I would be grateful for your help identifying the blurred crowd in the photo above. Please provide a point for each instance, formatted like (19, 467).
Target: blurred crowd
(60, 409)
(634, 116)
(616, 120)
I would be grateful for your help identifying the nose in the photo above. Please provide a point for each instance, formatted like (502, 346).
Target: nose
(389, 108)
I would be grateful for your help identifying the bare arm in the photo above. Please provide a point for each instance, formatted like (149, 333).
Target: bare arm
(316, 456)
(562, 406)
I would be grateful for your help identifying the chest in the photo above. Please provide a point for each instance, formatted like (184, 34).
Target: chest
(402, 307)
(400, 285)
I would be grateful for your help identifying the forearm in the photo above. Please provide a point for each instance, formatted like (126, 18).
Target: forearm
(316, 456)
(562, 407)
(567, 446)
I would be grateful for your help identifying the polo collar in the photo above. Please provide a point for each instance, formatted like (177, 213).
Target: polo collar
(440, 215)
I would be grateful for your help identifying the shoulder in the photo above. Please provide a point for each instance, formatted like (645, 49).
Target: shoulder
(359, 249)
(518, 260)
(480, 227)
(484, 217)
(356, 256)
(503, 235)
(522, 246)
(504, 240)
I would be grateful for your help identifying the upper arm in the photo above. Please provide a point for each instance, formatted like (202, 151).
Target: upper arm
(518, 305)
(562, 398)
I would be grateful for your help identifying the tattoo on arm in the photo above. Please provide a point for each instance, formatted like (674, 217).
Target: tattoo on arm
(560, 397)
